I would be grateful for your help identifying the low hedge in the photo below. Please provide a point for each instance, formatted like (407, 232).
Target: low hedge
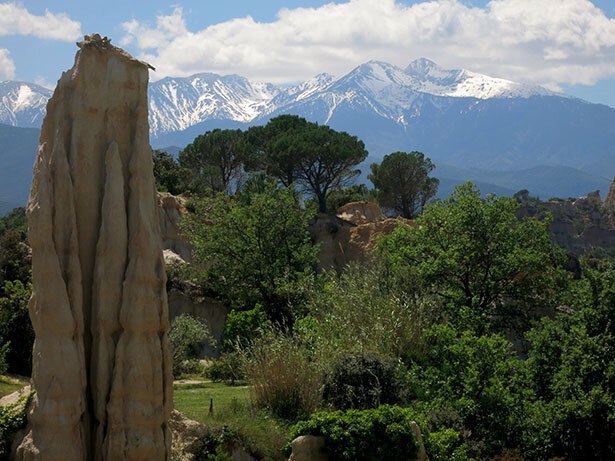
(383, 433)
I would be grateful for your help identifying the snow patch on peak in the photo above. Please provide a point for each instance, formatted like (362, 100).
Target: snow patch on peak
(22, 104)
(460, 83)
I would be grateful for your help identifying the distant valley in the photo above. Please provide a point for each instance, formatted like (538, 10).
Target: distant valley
(503, 135)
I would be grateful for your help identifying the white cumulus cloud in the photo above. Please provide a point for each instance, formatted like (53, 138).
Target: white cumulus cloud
(17, 20)
(543, 41)
(7, 66)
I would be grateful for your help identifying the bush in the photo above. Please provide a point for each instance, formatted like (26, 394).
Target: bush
(228, 369)
(215, 446)
(365, 310)
(286, 380)
(361, 382)
(446, 445)
(3, 351)
(187, 335)
(15, 326)
(12, 418)
(476, 377)
(243, 326)
(383, 434)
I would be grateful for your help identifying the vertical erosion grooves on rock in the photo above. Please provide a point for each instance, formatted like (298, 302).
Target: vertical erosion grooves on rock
(102, 359)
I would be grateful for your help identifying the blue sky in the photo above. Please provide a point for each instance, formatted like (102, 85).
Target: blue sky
(567, 45)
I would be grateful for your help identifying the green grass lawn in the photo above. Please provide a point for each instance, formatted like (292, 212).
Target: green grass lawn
(193, 399)
(10, 385)
(259, 433)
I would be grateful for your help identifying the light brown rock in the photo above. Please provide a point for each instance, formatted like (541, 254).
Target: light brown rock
(418, 438)
(102, 358)
(186, 434)
(13, 398)
(361, 212)
(308, 448)
(171, 209)
(609, 201)
(342, 242)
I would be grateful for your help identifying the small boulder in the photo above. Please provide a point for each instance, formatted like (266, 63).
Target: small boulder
(421, 455)
(308, 448)
(13, 398)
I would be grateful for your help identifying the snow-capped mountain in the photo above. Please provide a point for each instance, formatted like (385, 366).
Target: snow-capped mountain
(428, 77)
(458, 118)
(22, 104)
(177, 104)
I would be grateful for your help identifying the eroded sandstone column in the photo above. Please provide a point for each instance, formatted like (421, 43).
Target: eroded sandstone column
(102, 359)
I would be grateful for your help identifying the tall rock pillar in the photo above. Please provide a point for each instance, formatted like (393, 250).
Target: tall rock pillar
(102, 358)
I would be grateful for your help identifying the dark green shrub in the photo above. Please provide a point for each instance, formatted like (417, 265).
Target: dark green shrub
(4, 348)
(226, 369)
(12, 418)
(446, 445)
(361, 382)
(215, 445)
(363, 435)
(243, 326)
(15, 326)
(187, 335)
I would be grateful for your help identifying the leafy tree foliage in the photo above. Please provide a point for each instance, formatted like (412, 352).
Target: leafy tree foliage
(354, 193)
(403, 183)
(272, 145)
(15, 261)
(571, 370)
(257, 246)
(15, 326)
(215, 161)
(14, 220)
(317, 157)
(16, 333)
(474, 377)
(489, 268)
(168, 174)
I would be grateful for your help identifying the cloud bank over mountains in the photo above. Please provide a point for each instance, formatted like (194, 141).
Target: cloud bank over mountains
(550, 42)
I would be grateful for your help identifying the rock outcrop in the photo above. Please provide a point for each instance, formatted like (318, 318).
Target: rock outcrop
(342, 242)
(579, 225)
(171, 208)
(361, 212)
(308, 448)
(102, 358)
(609, 201)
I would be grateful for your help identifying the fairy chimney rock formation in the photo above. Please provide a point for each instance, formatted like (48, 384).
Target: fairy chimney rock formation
(102, 358)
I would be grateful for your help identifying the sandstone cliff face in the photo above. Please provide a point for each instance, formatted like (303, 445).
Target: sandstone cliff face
(102, 359)
(361, 212)
(171, 208)
(609, 201)
(342, 242)
(579, 225)
(207, 309)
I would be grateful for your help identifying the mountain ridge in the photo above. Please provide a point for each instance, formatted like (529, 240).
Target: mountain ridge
(457, 117)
